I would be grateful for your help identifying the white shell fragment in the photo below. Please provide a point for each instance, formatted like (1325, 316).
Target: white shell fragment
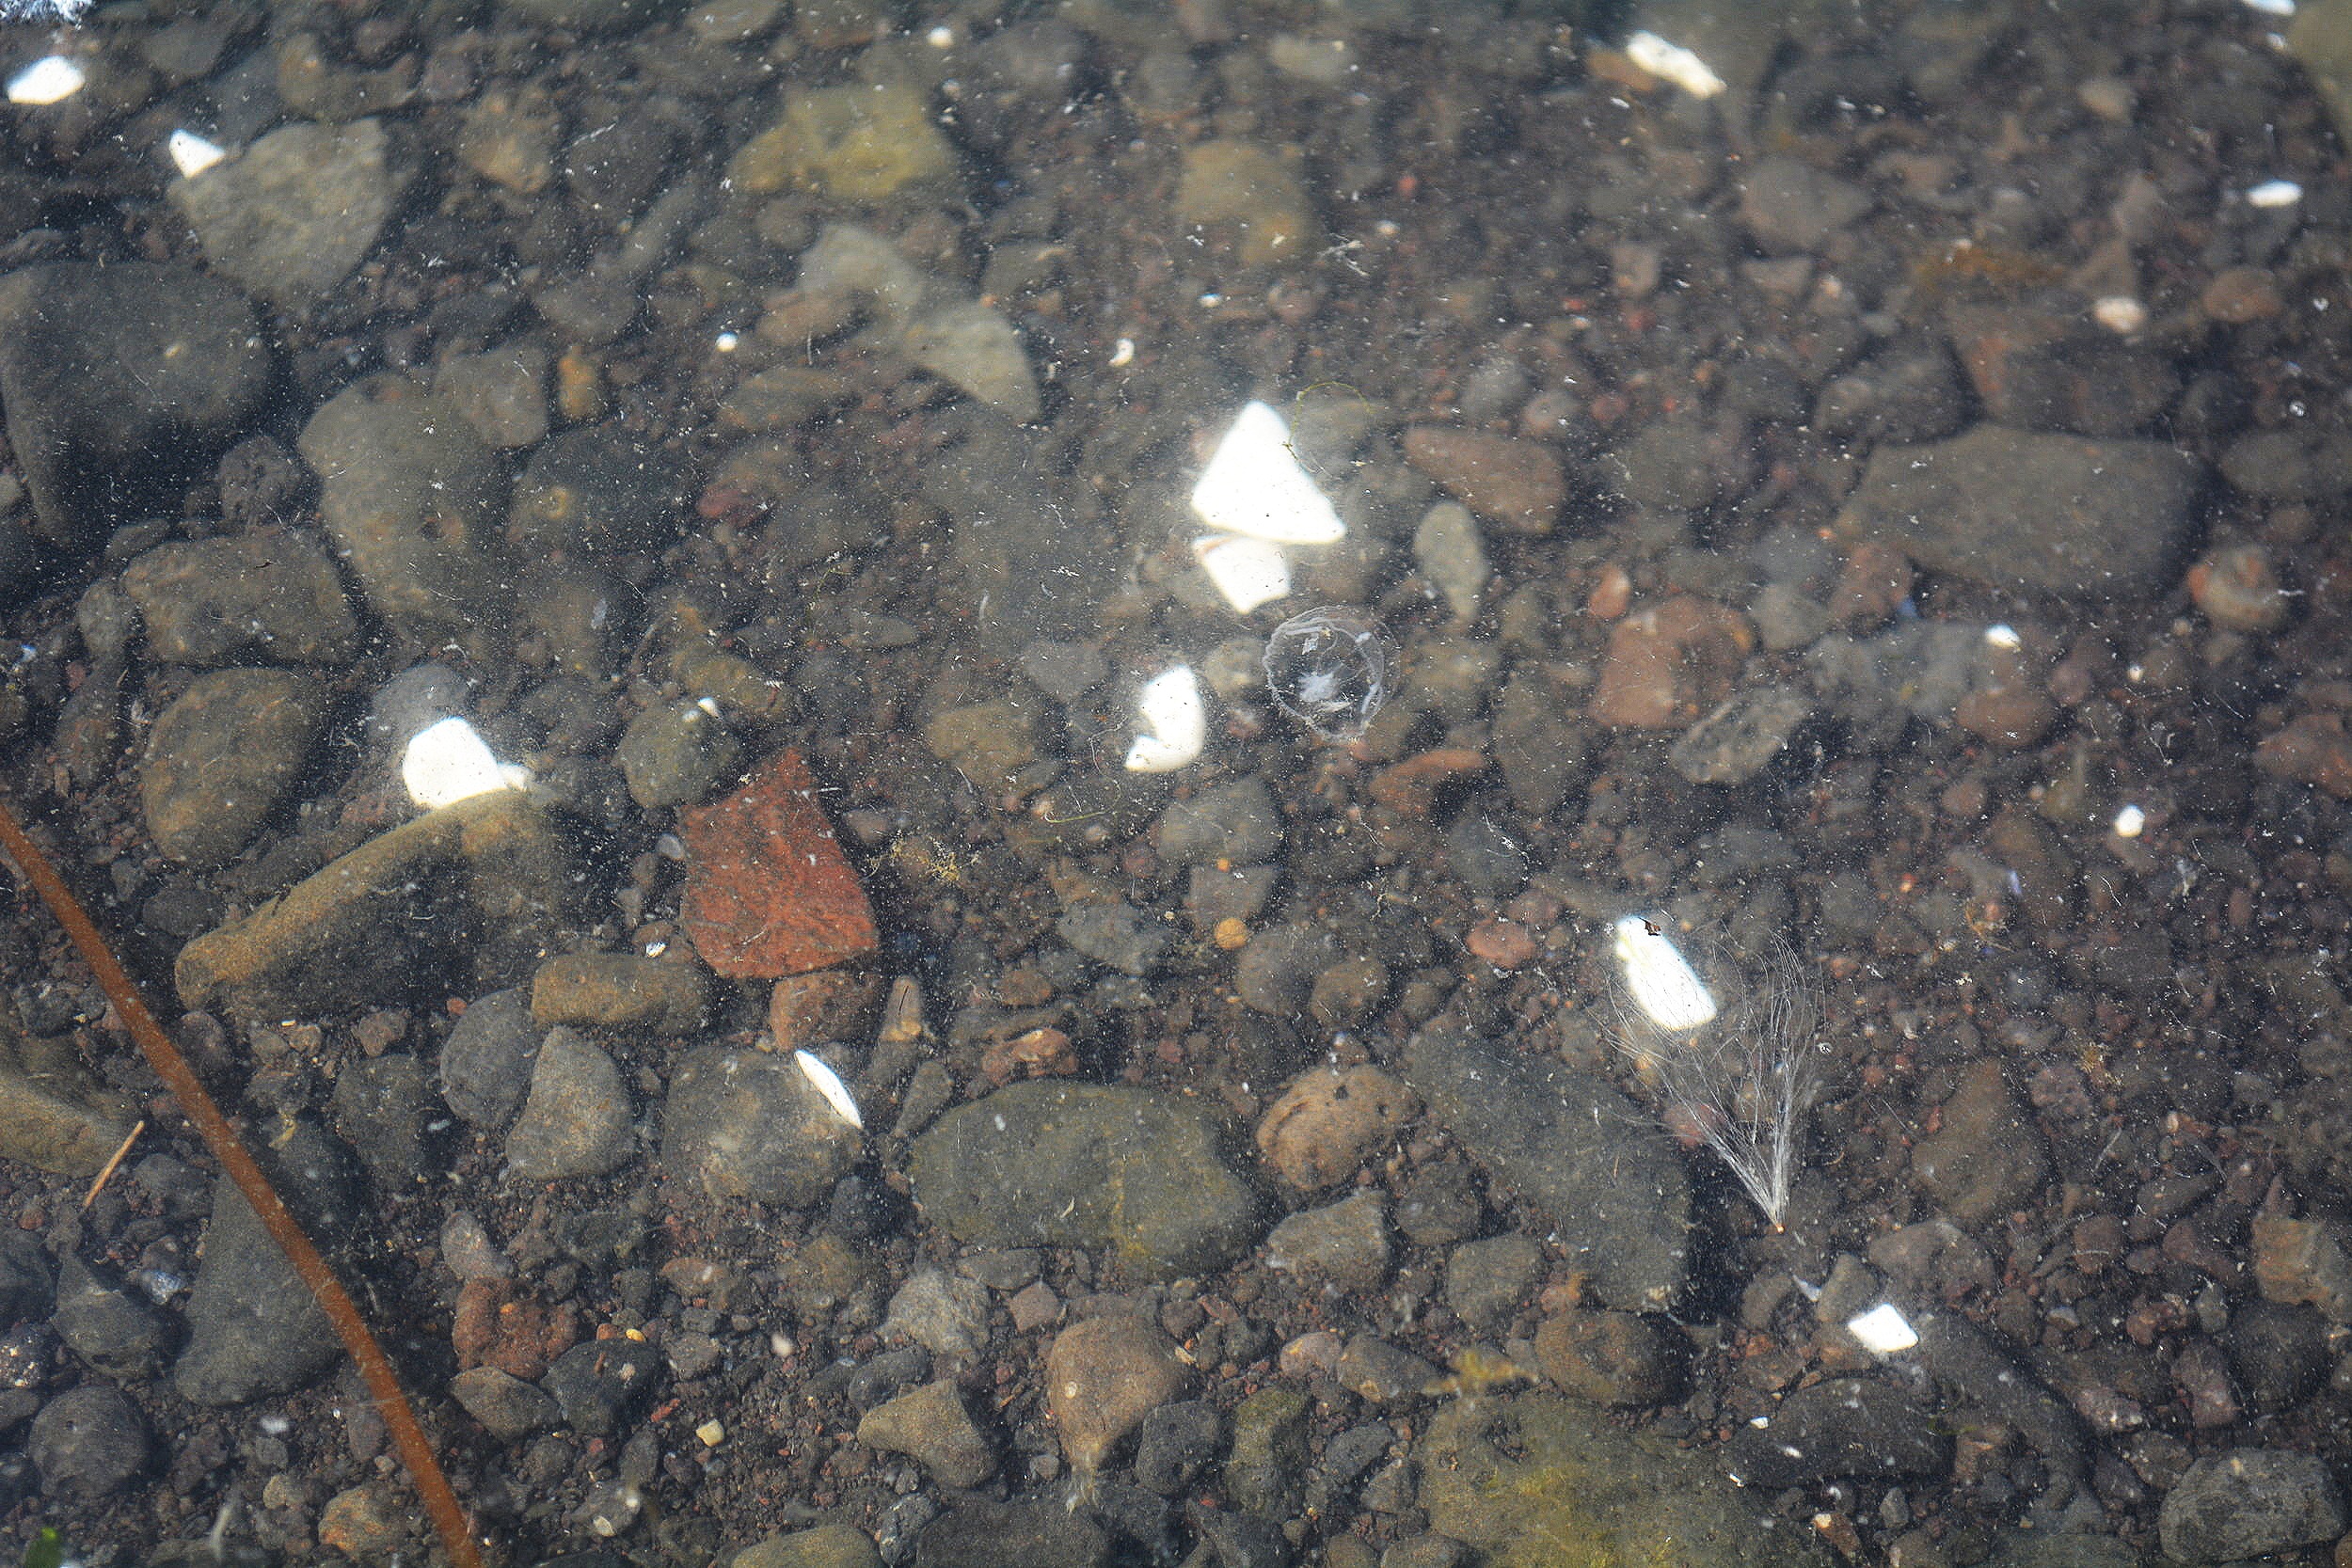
(1883, 1330)
(1254, 485)
(2119, 313)
(2275, 193)
(2130, 822)
(448, 761)
(1658, 979)
(1248, 572)
(1672, 63)
(51, 79)
(829, 1084)
(191, 154)
(1172, 722)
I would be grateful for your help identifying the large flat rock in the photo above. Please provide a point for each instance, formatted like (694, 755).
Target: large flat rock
(1567, 1142)
(2067, 515)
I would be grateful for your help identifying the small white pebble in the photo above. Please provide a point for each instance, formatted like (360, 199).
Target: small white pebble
(2272, 7)
(726, 343)
(191, 154)
(2275, 193)
(2002, 634)
(711, 1433)
(51, 79)
(1123, 353)
(2120, 314)
(942, 37)
(2129, 821)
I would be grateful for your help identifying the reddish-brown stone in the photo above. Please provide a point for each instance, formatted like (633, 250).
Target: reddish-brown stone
(498, 1323)
(1505, 479)
(768, 890)
(1671, 663)
(2312, 750)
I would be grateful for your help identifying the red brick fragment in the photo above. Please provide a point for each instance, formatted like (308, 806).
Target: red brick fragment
(768, 890)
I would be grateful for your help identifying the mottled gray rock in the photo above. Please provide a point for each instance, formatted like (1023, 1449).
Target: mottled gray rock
(1789, 205)
(222, 757)
(107, 1326)
(602, 1383)
(505, 1405)
(119, 383)
(1175, 1444)
(750, 1124)
(977, 1534)
(485, 1062)
(1236, 822)
(380, 1105)
(253, 1328)
(1071, 1164)
(2248, 1503)
(596, 493)
(1739, 740)
(1843, 1427)
(88, 1441)
(502, 392)
(2058, 514)
(1345, 1243)
(676, 755)
(833, 1545)
(1569, 1143)
(293, 215)
(576, 1119)
(413, 498)
(621, 990)
(1118, 934)
(267, 596)
(1487, 1279)
(943, 1313)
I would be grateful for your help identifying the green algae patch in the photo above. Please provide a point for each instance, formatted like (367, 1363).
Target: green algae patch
(1584, 1494)
(1087, 1165)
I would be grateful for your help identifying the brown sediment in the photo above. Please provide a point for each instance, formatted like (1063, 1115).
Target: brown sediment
(416, 1451)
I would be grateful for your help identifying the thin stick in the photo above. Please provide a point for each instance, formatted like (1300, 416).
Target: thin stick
(107, 1171)
(416, 1451)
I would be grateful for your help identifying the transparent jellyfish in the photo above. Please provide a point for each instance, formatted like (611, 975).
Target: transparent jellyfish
(1330, 669)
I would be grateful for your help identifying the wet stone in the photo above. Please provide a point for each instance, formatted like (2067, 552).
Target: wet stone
(1118, 935)
(412, 497)
(932, 1427)
(1104, 1376)
(1505, 479)
(769, 891)
(1611, 1358)
(2249, 1502)
(1055, 1164)
(1345, 1243)
(293, 215)
(253, 1329)
(620, 991)
(575, 1121)
(1268, 1456)
(1791, 206)
(831, 1546)
(856, 144)
(267, 595)
(1372, 1368)
(1241, 894)
(1347, 992)
(485, 1062)
(1574, 1147)
(507, 1408)
(220, 759)
(981, 1534)
(1843, 1427)
(945, 1315)
(1669, 664)
(119, 377)
(602, 1383)
(1987, 1158)
(1740, 738)
(481, 888)
(1485, 1280)
(676, 755)
(107, 1326)
(88, 1442)
(2060, 514)
(750, 1124)
(596, 494)
(1276, 972)
(1236, 823)
(1328, 1120)
(380, 1105)
(1175, 1443)
(502, 392)
(1253, 193)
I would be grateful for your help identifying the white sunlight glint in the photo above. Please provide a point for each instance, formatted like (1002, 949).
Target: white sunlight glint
(1171, 723)
(448, 761)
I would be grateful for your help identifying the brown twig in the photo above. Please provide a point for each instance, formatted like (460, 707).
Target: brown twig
(416, 1451)
(114, 1164)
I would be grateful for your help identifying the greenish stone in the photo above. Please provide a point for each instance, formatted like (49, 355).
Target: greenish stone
(854, 143)
(1269, 1451)
(1087, 1165)
(220, 759)
(676, 756)
(1535, 1482)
